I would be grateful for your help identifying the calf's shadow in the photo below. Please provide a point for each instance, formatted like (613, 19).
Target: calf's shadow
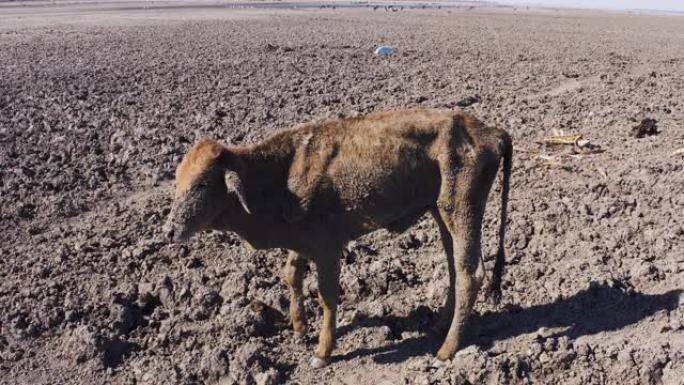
(597, 309)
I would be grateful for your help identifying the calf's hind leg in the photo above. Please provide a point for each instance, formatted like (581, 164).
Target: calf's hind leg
(328, 270)
(462, 211)
(447, 312)
(294, 271)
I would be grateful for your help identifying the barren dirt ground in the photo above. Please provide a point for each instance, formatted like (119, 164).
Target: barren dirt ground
(98, 105)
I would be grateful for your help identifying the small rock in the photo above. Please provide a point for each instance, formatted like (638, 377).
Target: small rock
(613, 351)
(376, 309)
(248, 355)
(385, 333)
(550, 344)
(194, 263)
(228, 380)
(145, 287)
(567, 357)
(625, 357)
(270, 377)
(408, 242)
(234, 286)
(647, 126)
(214, 364)
(422, 236)
(468, 101)
(127, 317)
(410, 335)
(584, 350)
(535, 349)
(265, 320)
(211, 299)
(82, 344)
(26, 211)
(643, 270)
(164, 290)
(422, 379)
(544, 358)
(472, 350)
(70, 316)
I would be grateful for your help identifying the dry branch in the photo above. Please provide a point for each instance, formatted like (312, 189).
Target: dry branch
(560, 139)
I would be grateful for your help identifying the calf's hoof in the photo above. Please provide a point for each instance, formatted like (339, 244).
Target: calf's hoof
(444, 354)
(317, 362)
(439, 363)
(299, 336)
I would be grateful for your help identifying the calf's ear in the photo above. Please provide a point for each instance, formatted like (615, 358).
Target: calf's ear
(234, 186)
(233, 171)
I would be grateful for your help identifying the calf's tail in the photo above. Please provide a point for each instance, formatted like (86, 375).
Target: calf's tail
(506, 148)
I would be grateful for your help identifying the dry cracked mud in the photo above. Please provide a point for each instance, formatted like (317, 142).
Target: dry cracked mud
(97, 106)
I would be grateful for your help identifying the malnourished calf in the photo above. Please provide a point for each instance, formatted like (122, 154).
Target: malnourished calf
(313, 188)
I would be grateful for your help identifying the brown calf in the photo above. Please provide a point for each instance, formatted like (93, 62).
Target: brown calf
(314, 187)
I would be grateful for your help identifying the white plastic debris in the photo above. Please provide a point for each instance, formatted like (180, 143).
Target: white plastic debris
(384, 50)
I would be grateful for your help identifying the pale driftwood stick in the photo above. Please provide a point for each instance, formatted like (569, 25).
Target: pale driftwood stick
(560, 139)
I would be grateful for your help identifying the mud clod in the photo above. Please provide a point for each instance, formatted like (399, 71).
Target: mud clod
(647, 127)
(469, 101)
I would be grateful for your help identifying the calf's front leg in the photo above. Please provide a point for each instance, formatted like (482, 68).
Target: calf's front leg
(293, 272)
(328, 271)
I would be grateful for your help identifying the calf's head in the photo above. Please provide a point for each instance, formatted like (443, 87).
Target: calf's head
(208, 181)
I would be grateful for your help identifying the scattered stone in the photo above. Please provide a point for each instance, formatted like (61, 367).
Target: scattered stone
(234, 286)
(469, 101)
(26, 211)
(127, 317)
(270, 377)
(411, 241)
(385, 333)
(265, 320)
(214, 364)
(647, 127)
(84, 343)
(70, 316)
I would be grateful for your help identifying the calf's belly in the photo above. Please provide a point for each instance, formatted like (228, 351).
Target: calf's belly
(393, 203)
